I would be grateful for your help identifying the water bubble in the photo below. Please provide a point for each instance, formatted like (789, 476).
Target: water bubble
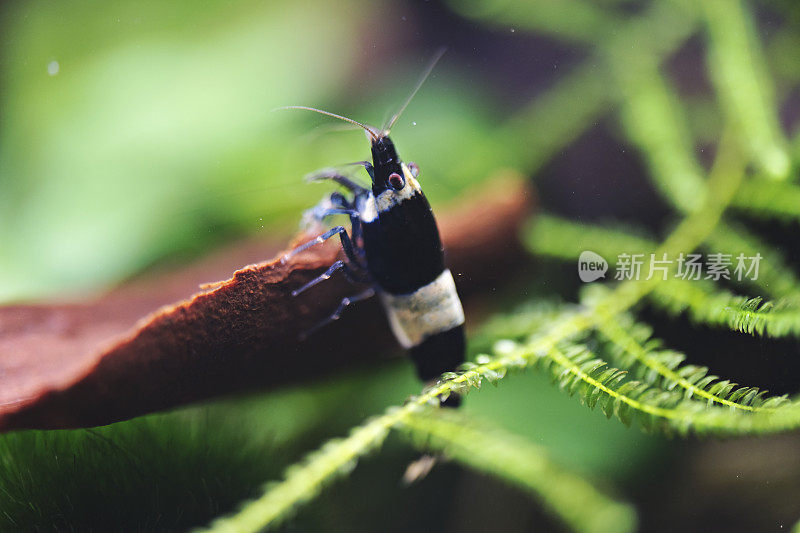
(504, 346)
(53, 67)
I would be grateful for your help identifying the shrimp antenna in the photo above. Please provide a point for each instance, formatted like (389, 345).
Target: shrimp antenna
(371, 131)
(439, 53)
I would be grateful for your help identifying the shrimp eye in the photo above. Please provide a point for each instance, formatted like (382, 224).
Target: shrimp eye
(396, 181)
(413, 168)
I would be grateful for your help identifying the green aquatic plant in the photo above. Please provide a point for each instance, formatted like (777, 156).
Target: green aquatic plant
(632, 375)
(597, 349)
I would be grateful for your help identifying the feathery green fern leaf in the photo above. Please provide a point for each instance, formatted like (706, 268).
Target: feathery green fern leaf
(580, 99)
(304, 481)
(631, 346)
(478, 445)
(706, 304)
(768, 199)
(655, 123)
(766, 318)
(565, 239)
(745, 91)
(774, 277)
(580, 372)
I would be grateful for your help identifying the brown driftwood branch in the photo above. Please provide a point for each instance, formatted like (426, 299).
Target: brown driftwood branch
(95, 363)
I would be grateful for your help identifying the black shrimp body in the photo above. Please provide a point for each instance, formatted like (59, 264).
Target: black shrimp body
(401, 239)
(394, 245)
(405, 258)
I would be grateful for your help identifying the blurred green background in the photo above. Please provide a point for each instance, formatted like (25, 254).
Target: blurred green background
(136, 134)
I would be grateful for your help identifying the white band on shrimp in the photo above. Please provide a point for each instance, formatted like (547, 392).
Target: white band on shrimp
(431, 309)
